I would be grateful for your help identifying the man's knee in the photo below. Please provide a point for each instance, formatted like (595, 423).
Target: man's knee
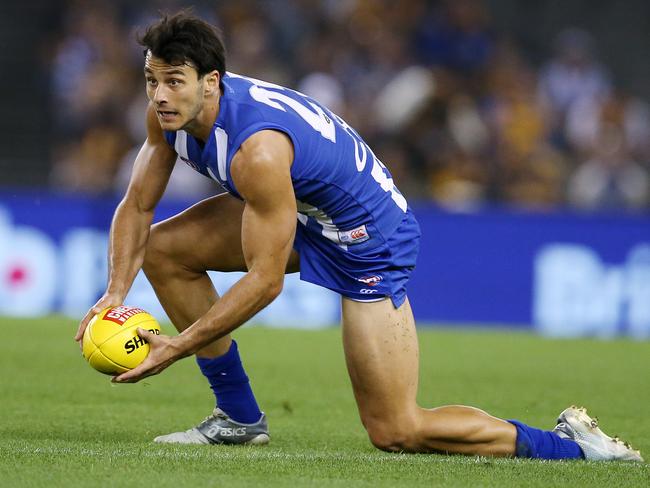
(393, 435)
(158, 258)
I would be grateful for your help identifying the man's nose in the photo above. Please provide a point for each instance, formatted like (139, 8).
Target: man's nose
(160, 94)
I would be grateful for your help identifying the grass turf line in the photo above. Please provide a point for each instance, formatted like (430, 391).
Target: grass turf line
(64, 424)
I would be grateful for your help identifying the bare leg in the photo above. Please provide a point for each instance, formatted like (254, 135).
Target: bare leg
(182, 249)
(381, 351)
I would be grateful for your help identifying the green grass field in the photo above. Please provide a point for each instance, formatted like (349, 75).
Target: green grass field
(63, 424)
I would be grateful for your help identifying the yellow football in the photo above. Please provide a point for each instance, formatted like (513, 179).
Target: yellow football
(111, 343)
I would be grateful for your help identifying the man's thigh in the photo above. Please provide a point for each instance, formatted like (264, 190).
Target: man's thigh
(381, 351)
(207, 236)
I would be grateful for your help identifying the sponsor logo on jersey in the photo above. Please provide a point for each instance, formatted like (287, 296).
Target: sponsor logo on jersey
(354, 236)
(191, 164)
(371, 280)
(121, 314)
(367, 291)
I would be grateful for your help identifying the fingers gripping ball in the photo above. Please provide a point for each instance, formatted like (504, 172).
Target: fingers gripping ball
(111, 343)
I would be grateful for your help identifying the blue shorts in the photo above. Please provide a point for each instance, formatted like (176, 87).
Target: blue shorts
(361, 272)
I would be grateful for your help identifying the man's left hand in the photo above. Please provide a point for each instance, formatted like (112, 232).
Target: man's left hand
(162, 353)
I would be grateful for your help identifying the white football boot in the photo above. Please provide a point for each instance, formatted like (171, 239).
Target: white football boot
(574, 423)
(218, 428)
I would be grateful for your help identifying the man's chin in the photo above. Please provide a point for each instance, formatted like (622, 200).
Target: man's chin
(171, 126)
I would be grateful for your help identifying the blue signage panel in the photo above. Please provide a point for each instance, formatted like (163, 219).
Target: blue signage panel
(563, 273)
(566, 273)
(53, 258)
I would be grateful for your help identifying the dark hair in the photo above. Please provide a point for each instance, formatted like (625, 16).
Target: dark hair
(183, 37)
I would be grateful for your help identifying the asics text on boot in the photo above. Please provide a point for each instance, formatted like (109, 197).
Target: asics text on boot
(218, 428)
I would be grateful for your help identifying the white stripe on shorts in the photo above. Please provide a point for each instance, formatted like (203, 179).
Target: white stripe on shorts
(368, 300)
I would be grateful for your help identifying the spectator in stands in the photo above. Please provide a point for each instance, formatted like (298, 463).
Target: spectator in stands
(610, 178)
(458, 114)
(572, 75)
(528, 171)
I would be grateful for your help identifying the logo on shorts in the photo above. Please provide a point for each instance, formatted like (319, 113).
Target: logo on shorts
(354, 236)
(371, 280)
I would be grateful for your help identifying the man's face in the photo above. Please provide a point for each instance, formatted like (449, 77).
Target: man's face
(176, 92)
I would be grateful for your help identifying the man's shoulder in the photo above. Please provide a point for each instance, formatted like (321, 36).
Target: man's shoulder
(238, 81)
(267, 97)
(250, 105)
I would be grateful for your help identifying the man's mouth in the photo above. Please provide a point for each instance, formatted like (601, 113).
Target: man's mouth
(167, 114)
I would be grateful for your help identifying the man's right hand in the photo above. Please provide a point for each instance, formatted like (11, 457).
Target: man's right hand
(106, 301)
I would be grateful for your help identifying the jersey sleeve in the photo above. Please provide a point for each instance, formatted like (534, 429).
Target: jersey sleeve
(252, 129)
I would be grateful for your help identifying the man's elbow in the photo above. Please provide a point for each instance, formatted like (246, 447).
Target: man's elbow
(273, 288)
(132, 204)
(268, 282)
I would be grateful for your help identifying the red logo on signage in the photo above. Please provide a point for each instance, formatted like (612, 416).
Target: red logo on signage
(17, 276)
(121, 314)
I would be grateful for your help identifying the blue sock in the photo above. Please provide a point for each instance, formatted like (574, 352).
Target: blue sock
(230, 385)
(542, 444)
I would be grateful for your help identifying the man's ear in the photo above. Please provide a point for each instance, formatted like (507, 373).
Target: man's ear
(212, 81)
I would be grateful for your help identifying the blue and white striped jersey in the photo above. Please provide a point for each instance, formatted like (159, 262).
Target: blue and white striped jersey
(344, 193)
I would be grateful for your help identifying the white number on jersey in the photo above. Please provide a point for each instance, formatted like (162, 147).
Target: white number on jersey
(323, 124)
(387, 184)
(377, 171)
(316, 118)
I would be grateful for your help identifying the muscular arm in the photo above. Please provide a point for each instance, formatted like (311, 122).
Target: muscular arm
(261, 172)
(133, 216)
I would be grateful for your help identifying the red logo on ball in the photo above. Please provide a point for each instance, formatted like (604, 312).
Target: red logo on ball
(121, 314)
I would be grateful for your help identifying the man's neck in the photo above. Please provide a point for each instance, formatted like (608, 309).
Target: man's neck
(201, 127)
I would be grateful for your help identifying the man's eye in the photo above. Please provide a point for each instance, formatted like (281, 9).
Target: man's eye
(151, 81)
(174, 82)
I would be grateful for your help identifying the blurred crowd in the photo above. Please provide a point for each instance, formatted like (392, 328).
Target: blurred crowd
(453, 107)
